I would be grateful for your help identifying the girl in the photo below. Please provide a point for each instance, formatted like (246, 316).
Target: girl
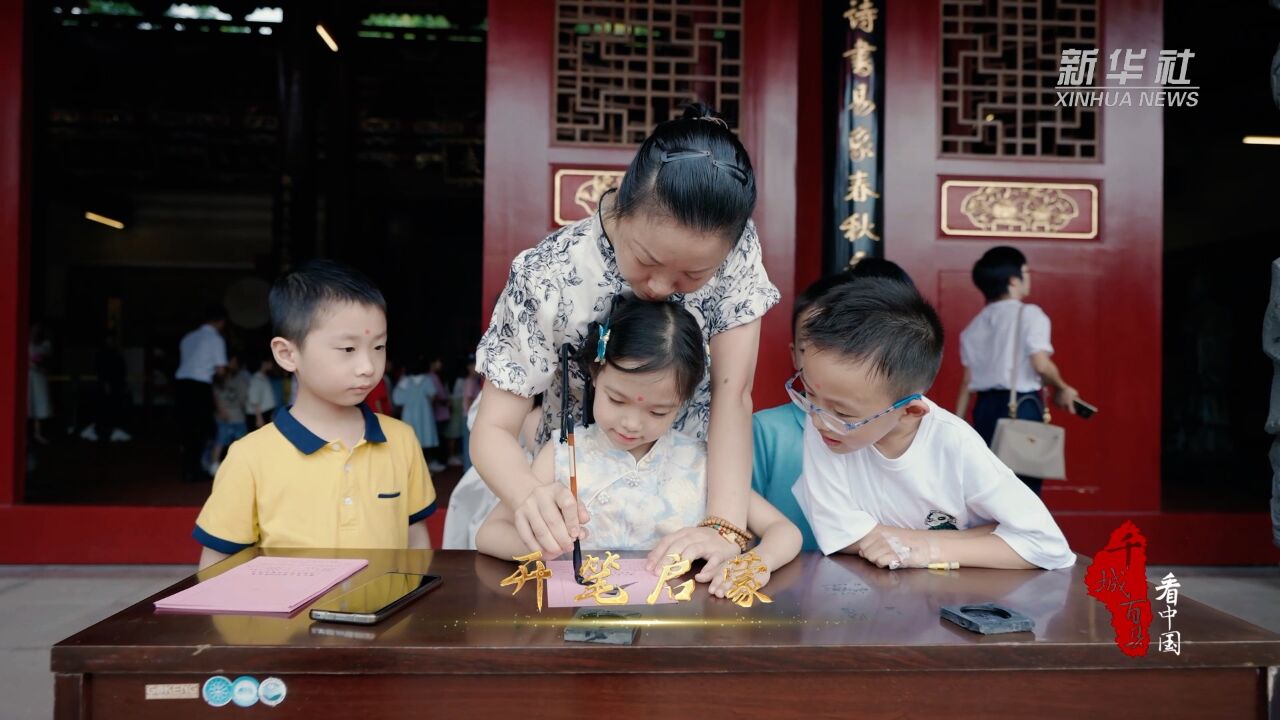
(638, 478)
(414, 394)
(678, 227)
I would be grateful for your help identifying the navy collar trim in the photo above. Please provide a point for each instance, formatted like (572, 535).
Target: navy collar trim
(308, 442)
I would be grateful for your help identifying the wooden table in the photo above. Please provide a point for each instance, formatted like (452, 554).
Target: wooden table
(841, 639)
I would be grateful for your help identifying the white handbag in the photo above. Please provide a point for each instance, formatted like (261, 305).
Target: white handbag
(1029, 448)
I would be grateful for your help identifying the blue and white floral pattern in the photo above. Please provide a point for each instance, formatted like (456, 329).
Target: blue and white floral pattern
(635, 503)
(567, 281)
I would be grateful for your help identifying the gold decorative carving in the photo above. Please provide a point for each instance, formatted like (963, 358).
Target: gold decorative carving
(586, 195)
(1021, 209)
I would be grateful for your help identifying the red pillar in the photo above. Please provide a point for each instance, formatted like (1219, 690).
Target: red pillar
(13, 260)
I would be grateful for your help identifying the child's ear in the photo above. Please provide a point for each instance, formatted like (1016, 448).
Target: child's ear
(916, 408)
(285, 353)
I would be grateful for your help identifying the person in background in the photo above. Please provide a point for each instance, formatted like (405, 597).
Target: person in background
(39, 406)
(261, 399)
(443, 412)
(992, 354)
(202, 357)
(471, 381)
(230, 393)
(414, 394)
(112, 392)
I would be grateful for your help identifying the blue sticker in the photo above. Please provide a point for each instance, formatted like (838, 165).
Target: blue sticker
(216, 691)
(244, 691)
(272, 691)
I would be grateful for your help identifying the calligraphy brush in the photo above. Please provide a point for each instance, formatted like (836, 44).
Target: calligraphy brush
(573, 487)
(566, 435)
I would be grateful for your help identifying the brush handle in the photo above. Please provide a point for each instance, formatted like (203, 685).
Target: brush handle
(573, 467)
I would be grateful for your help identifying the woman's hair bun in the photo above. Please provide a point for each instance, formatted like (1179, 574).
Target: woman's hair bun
(698, 111)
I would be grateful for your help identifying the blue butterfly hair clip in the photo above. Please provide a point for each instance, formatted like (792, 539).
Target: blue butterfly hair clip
(603, 342)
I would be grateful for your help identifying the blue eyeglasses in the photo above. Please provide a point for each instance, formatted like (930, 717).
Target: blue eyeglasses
(831, 422)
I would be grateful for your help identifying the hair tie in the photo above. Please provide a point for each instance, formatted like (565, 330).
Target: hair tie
(716, 120)
(603, 341)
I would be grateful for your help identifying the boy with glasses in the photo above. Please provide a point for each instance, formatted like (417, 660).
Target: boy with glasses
(888, 474)
(778, 432)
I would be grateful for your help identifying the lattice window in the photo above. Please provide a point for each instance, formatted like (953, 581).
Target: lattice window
(623, 66)
(1000, 61)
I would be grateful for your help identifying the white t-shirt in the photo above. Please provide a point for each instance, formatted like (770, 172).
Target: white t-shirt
(986, 344)
(201, 352)
(947, 478)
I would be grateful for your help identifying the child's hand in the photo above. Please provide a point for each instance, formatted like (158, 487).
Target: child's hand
(550, 519)
(894, 548)
(722, 580)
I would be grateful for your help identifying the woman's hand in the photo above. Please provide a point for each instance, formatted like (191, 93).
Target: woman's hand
(693, 544)
(550, 520)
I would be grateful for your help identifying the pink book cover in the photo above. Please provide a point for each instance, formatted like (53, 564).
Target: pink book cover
(266, 585)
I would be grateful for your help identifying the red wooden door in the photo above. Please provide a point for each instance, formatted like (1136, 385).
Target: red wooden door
(971, 112)
(541, 55)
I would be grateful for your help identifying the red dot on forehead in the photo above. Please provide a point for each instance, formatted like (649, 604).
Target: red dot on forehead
(366, 331)
(639, 398)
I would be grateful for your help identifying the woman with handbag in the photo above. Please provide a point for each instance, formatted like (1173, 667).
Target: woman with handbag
(1005, 352)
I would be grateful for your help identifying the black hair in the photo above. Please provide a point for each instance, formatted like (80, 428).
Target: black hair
(995, 269)
(695, 170)
(885, 323)
(299, 295)
(816, 289)
(879, 267)
(650, 337)
(866, 267)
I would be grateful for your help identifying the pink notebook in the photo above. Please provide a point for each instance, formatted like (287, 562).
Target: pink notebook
(275, 585)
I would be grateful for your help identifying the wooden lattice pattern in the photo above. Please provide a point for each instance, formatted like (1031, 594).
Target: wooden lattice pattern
(623, 66)
(1000, 63)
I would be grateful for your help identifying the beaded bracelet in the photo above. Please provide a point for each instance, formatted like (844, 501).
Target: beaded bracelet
(729, 531)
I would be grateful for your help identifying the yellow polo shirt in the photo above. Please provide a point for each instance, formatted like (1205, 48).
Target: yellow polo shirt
(282, 486)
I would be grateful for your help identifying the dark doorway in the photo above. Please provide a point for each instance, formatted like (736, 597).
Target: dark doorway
(1220, 239)
(231, 141)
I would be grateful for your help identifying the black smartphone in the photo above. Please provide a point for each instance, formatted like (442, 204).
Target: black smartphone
(1084, 409)
(375, 600)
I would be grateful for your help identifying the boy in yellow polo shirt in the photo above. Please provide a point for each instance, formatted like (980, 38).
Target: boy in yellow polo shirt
(327, 472)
